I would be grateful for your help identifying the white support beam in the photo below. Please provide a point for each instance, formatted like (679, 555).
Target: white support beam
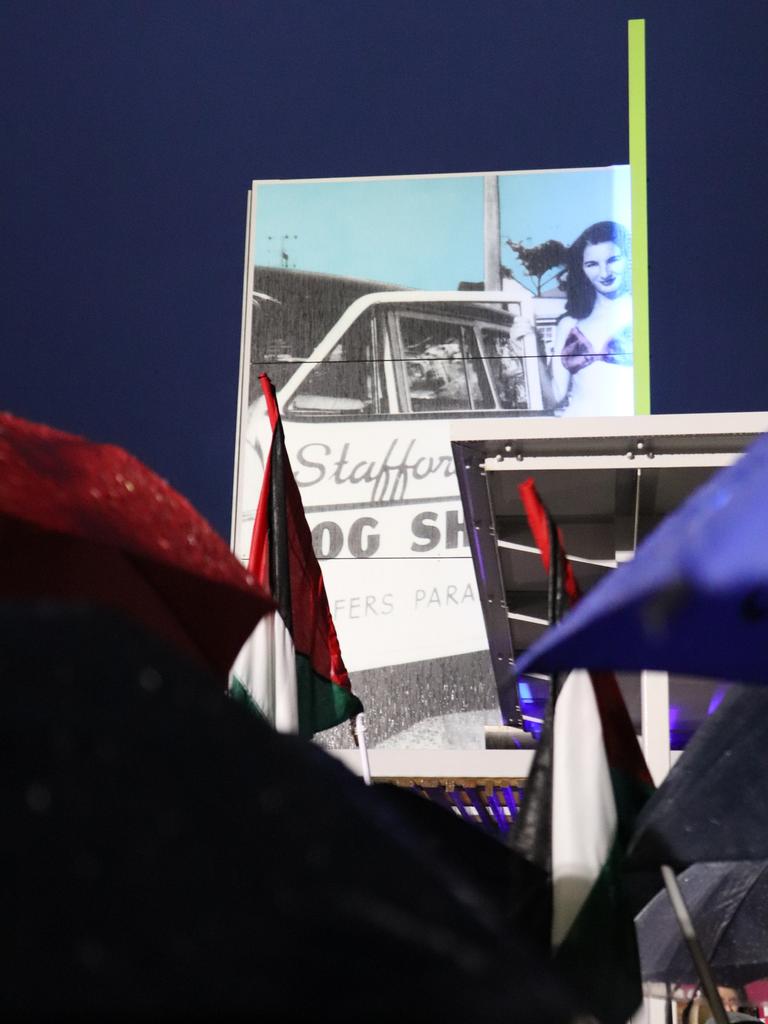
(440, 764)
(654, 696)
(652, 1011)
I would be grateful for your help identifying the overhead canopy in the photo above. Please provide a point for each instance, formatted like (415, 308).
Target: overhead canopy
(608, 482)
(695, 599)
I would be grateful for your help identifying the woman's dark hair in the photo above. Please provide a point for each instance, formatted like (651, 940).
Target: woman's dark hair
(580, 295)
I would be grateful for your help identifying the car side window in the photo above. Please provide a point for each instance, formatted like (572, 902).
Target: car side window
(442, 366)
(504, 350)
(348, 381)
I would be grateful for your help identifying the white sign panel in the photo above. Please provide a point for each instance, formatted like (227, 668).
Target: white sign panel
(371, 305)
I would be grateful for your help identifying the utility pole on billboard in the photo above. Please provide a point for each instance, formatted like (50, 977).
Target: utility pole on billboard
(285, 258)
(492, 228)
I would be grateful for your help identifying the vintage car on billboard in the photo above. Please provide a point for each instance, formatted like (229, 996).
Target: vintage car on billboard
(368, 377)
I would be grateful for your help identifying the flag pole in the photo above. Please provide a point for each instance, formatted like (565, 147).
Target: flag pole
(358, 731)
(694, 946)
(555, 591)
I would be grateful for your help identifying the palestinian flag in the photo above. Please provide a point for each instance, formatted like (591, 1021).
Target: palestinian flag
(588, 783)
(291, 667)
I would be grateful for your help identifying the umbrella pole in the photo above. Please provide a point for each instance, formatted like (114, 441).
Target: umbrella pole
(694, 946)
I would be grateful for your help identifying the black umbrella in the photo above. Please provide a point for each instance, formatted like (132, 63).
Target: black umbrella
(728, 903)
(173, 855)
(713, 805)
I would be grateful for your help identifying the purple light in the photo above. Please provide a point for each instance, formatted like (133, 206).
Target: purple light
(717, 698)
(498, 813)
(674, 715)
(479, 562)
(534, 726)
(483, 813)
(459, 804)
(510, 799)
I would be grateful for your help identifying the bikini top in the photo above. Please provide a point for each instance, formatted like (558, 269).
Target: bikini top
(578, 350)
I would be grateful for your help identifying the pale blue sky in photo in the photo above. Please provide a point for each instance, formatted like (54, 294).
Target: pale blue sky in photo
(426, 232)
(418, 232)
(560, 205)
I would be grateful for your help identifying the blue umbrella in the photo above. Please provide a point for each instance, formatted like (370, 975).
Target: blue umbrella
(694, 600)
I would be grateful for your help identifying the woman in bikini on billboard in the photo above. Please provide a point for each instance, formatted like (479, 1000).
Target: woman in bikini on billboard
(592, 367)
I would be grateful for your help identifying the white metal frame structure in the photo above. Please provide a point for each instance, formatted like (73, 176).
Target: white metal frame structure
(650, 464)
(491, 456)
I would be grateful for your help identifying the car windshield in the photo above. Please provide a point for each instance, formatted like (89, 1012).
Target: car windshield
(292, 313)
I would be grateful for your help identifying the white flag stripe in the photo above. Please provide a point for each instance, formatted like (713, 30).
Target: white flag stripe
(584, 814)
(266, 669)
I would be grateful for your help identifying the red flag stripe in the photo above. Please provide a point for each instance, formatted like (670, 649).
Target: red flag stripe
(538, 520)
(313, 632)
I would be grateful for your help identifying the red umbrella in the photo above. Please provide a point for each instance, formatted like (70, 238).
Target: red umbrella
(88, 523)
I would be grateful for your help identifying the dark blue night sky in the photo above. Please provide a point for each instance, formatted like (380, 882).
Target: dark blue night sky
(131, 132)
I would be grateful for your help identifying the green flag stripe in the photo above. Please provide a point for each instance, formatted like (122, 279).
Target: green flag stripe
(322, 703)
(613, 989)
(239, 693)
(630, 795)
(610, 984)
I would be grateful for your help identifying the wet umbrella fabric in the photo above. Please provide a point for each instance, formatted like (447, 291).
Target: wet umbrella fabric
(693, 600)
(729, 907)
(173, 855)
(81, 521)
(713, 804)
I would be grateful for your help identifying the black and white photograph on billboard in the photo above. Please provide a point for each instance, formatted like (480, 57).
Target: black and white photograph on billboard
(382, 309)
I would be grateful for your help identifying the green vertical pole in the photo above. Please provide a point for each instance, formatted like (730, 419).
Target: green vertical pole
(638, 170)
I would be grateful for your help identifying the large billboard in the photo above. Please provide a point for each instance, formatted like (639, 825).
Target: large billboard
(383, 308)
